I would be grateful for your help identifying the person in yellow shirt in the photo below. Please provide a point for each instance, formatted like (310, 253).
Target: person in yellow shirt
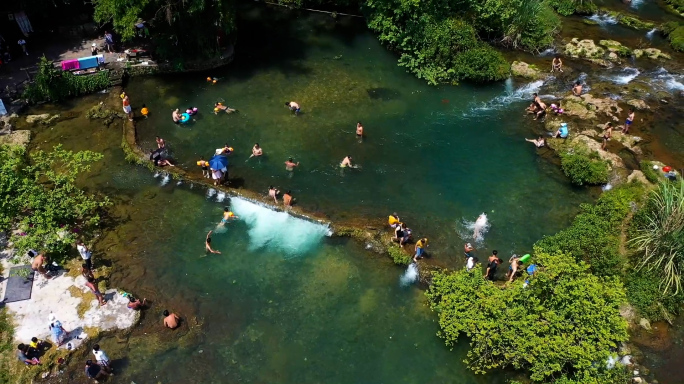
(205, 167)
(420, 248)
(144, 111)
(393, 220)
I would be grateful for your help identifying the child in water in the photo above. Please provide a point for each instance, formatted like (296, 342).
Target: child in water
(227, 215)
(144, 111)
(218, 107)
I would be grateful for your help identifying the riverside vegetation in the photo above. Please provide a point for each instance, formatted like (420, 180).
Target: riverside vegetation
(628, 247)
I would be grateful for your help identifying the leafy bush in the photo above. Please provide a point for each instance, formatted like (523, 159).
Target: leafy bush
(648, 171)
(570, 7)
(659, 235)
(481, 64)
(644, 293)
(51, 84)
(399, 255)
(674, 31)
(584, 168)
(594, 235)
(677, 5)
(6, 346)
(40, 199)
(564, 321)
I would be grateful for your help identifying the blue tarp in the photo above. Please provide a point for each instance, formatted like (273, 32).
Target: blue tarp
(87, 62)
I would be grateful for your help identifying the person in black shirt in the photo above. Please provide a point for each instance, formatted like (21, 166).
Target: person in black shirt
(492, 265)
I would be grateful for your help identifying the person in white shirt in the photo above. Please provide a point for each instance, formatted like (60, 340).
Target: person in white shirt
(101, 358)
(85, 254)
(22, 44)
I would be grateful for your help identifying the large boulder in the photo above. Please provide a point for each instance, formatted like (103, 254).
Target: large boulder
(528, 71)
(589, 107)
(44, 118)
(638, 104)
(583, 49)
(616, 47)
(651, 53)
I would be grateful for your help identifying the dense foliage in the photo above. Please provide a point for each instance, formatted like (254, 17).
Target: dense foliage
(659, 234)
(52, 84)
(674, 31)
(39, 198)
(6, 345)
(441, 40)
(594, 235)
(645, 294)
(570, 7)
(584, 168)
(190, 28)
(566, 320)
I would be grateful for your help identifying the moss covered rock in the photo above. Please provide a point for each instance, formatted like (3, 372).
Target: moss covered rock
(590, 107)
(651, 53)
(616, 47)
(528, 71)
(674, 32)
(584, 49)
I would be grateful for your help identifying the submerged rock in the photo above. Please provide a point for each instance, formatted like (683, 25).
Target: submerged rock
(528, 71)
(651, 53)
(44, 118)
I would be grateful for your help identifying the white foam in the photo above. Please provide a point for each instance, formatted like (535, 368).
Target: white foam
(650, 33)
(220, 196)
(165, 180)
(607, 187)
(511, 95)
(278, 230)
(627, 74)
(210, 193)
(547, 52)
(668, 81)
(603, 19)
(410, 276)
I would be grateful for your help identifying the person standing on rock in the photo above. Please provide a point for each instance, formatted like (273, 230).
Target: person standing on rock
(86, 271)
(96, 291)
(22, 44)
(127, 108)
(629, 121)
(85, 254)
(557, 65)
(607, 131)
(109, 41)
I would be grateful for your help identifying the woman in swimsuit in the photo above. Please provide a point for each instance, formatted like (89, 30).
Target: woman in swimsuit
(607, 131)
(557, 65)
(537, 143)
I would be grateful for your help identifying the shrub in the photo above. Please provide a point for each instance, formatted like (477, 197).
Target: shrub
(51, 84)
(40, 199)
(564, 321)
(648, 171)
(481, 64)
(398, 254)
(644, 293)
(594, 235)
(674, 31)
(584, 168)
(570, 7)
(659, 235)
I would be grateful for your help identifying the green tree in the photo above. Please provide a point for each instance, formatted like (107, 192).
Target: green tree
(42, 201)
(659, 234)
(565, 320)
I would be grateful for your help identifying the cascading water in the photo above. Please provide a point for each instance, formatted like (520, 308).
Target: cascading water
(410, 276)
(278, 230)
(668, 81)
(511, 95)
(649, 34)
(626, 75)
(603, 19)
(165, 179)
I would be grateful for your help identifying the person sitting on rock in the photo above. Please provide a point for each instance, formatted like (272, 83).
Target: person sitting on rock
(577, 89)
(557, 65)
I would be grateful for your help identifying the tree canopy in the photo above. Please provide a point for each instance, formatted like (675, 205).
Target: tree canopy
(39, 198)
(564, 322)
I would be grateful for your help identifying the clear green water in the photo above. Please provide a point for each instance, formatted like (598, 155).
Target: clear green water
(433, 154)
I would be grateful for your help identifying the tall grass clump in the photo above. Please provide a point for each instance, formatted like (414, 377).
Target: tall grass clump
(659, 234)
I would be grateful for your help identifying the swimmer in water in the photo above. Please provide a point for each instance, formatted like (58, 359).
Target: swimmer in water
(176, 116)
(290, 165)
(218, 107)
(256, 151)
(207, 244)
(160, 142)
(347, 162)
(287, 199)
(273, 192)
(537, 143)
(480, 223)
(227, 215)
(294, 106)
(359, 130)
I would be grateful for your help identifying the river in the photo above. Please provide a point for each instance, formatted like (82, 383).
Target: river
(284, 302)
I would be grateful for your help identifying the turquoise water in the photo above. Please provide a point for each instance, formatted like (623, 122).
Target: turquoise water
(439, 156)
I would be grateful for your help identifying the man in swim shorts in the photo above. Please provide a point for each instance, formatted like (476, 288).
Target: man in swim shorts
(256, 150)
(227, 215)
(607, 132)
(629, 121)
(557, 65)
(218, 107)
(346, 162)
(170, 319)
(96, 291)
(577, 89)
(290, 165)
(467, 249)
(176, 116)
(37, 265)
(359, 130)
(160, 142)
(287, 199)
(293, 107)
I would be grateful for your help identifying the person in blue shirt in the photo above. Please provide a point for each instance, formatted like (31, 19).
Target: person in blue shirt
(562, 132)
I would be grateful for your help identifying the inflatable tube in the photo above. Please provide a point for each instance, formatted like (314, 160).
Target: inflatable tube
(184, 118)
(525, 258)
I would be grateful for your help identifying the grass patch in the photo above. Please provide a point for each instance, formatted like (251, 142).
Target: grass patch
(584, 167)
(650, 173)
(85, 297)
(399, 254)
